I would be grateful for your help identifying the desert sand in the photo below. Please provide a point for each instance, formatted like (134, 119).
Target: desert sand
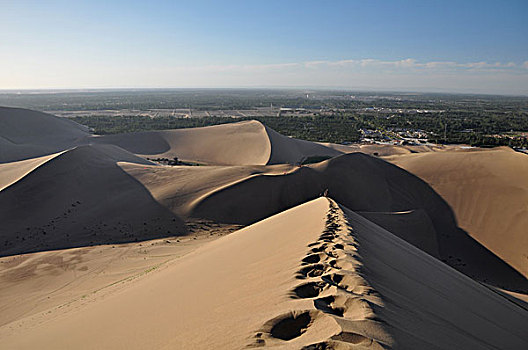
(315, 274)
(28, 134)
(488, 191)
(413, 247)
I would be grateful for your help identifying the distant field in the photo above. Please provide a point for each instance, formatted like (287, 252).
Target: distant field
(327, 116)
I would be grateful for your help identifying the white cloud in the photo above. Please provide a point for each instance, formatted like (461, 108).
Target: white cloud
(403, 74)
(404, 64)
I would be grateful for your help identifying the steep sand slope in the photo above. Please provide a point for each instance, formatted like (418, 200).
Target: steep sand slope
(14, 171)
(289, 150)
(227, 144)
(81, 197)
(366, 184)
(488, 191)
(27, 134)
(180, 188)
(243, 143)
(309, 277)
(81, 192)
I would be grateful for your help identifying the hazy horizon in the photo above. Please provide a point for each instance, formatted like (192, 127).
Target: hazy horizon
(447, 47)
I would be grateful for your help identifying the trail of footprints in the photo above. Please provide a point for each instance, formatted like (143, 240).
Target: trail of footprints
(331, 278)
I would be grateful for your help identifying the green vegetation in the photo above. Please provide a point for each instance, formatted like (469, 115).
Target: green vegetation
(324, 115)
(476, 128)
(473, 128)
(335, 128)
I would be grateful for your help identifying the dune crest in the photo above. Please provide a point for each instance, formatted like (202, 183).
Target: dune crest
(371, 185)
(77, 199)
(227, 144)
(15, 171)
(317, 276)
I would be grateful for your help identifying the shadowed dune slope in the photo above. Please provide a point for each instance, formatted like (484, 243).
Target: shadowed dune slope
(289, 150)
(14, 171)
(313, 277)
(428, 305)
(366, 184)
(81, 197)
(180, 188)
(488, 191)
(414, 226)
(27, 134)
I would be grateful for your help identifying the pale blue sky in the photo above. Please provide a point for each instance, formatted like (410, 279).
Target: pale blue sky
(471, 46)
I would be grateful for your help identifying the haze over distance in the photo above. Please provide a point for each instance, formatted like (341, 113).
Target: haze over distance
(440, 46)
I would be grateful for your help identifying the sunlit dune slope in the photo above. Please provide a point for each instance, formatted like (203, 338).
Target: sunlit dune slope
(488, 192)
(315, 276)
(27, 134)
(243, 143)
(227, 144)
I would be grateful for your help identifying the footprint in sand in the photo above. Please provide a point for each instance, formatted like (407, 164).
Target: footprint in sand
(309, 290)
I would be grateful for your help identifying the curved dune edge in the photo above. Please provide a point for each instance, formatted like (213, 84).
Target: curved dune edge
(15, 171)
(241, 143)
(488, 191)
(365, 184)
(226, 144)
(285, 149)
(76, 199)
(316, 276)
(28, 134)
(90, 181)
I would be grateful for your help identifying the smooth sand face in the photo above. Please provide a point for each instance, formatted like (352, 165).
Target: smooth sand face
(14, 171)
(77, 199)
(228, 144)
(216, 297)
(488, 191)
(35, 282)
(314, 274)
(28, 134)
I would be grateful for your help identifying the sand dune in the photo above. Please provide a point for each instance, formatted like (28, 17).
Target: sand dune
(35, 282)
(228, 144)
(81, 197)
(488, 191)
(243, 143)
(388, 267)
(316, 276)
(14, 171)
(27, 134)
(181, 188)
(100, 180)
(366, 184)
(289, 150)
